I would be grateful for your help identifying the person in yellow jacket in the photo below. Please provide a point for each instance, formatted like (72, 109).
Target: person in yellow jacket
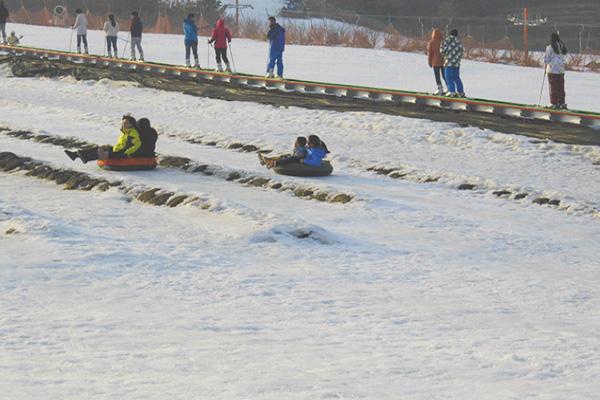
(13, 39)
(127, 146)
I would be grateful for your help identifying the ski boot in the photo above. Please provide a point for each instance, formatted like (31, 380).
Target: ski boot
(440, 91)
(227, 67)
(219, 67)
(86, 50)
(461, 95)
(563, 107)
(187, 63)
(196, 63)
(78, 49)
(270, 74)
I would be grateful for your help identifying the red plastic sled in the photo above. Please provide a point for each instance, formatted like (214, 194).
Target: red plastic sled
(128, 164)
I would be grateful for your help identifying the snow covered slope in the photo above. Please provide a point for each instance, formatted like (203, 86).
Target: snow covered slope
(412, 290)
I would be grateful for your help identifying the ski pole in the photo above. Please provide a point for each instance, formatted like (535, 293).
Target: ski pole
(126, 43)
(208, 55)
(542, 90)
(71, 41)
(232, 59)
(104, 49)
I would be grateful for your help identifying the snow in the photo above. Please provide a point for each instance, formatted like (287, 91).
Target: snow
(411, 290)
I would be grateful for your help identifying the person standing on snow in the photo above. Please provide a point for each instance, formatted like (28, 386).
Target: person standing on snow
(111, 29)
(3, 17)
(435, 59)
(276, 36)
(221, 36)
(190, 31)
(135, 30)
(452, 50)
(555, 68)
(81, 26)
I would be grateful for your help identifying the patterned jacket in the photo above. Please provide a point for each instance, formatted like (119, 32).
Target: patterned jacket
(452, 51)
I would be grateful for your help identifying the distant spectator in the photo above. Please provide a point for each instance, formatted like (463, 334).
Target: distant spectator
(3, 18)
(221, 36)
(136, 28)
(555, 67)
(435, 59)
(81, 26)
(13, 39)
(190, 31)
(452, 50)
(276, 36)
(111, 30)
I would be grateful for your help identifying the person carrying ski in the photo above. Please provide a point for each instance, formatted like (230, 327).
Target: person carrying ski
(276, 36)
(81, 27)
(3, 18)
(13, 39)
(111, 30)
(127, 146)
(190, 31)
(435, 59)
(135, 30)
(554, 61)
(221, 36)
(452, 50)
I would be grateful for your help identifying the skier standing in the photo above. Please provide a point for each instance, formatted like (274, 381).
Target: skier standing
(111, 29)
(81, 26)
(136, 29)
(221, 36)
(3, 17)
(555, 67)
(276, 36)
(435, 59)
(190, 31)
(452, 50)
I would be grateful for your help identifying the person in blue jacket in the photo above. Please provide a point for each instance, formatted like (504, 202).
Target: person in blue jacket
(276, 36)
(190, 31)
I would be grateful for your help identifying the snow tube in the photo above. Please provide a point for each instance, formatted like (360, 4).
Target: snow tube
(128, 164)
(299, 169)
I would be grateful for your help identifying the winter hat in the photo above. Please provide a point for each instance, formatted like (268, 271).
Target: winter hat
(454, 32)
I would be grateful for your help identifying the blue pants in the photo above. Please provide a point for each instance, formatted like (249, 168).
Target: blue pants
(276, 57)
(453, 80)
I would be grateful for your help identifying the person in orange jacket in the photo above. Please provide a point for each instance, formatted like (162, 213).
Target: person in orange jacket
(435, 59)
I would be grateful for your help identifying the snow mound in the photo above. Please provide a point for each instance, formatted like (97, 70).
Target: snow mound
(293, 232)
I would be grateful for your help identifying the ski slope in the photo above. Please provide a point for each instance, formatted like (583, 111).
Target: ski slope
(367, 67)
(412, 290)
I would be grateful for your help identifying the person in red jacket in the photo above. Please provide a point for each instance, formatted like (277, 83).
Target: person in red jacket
(436, 61)
(221, 36)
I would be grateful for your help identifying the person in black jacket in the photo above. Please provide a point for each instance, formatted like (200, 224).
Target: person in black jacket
(3, 17)
(136, 35)
(148, 136)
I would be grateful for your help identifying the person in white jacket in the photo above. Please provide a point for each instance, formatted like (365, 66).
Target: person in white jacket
(111, 29)
(81, 26)
(555, 67)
